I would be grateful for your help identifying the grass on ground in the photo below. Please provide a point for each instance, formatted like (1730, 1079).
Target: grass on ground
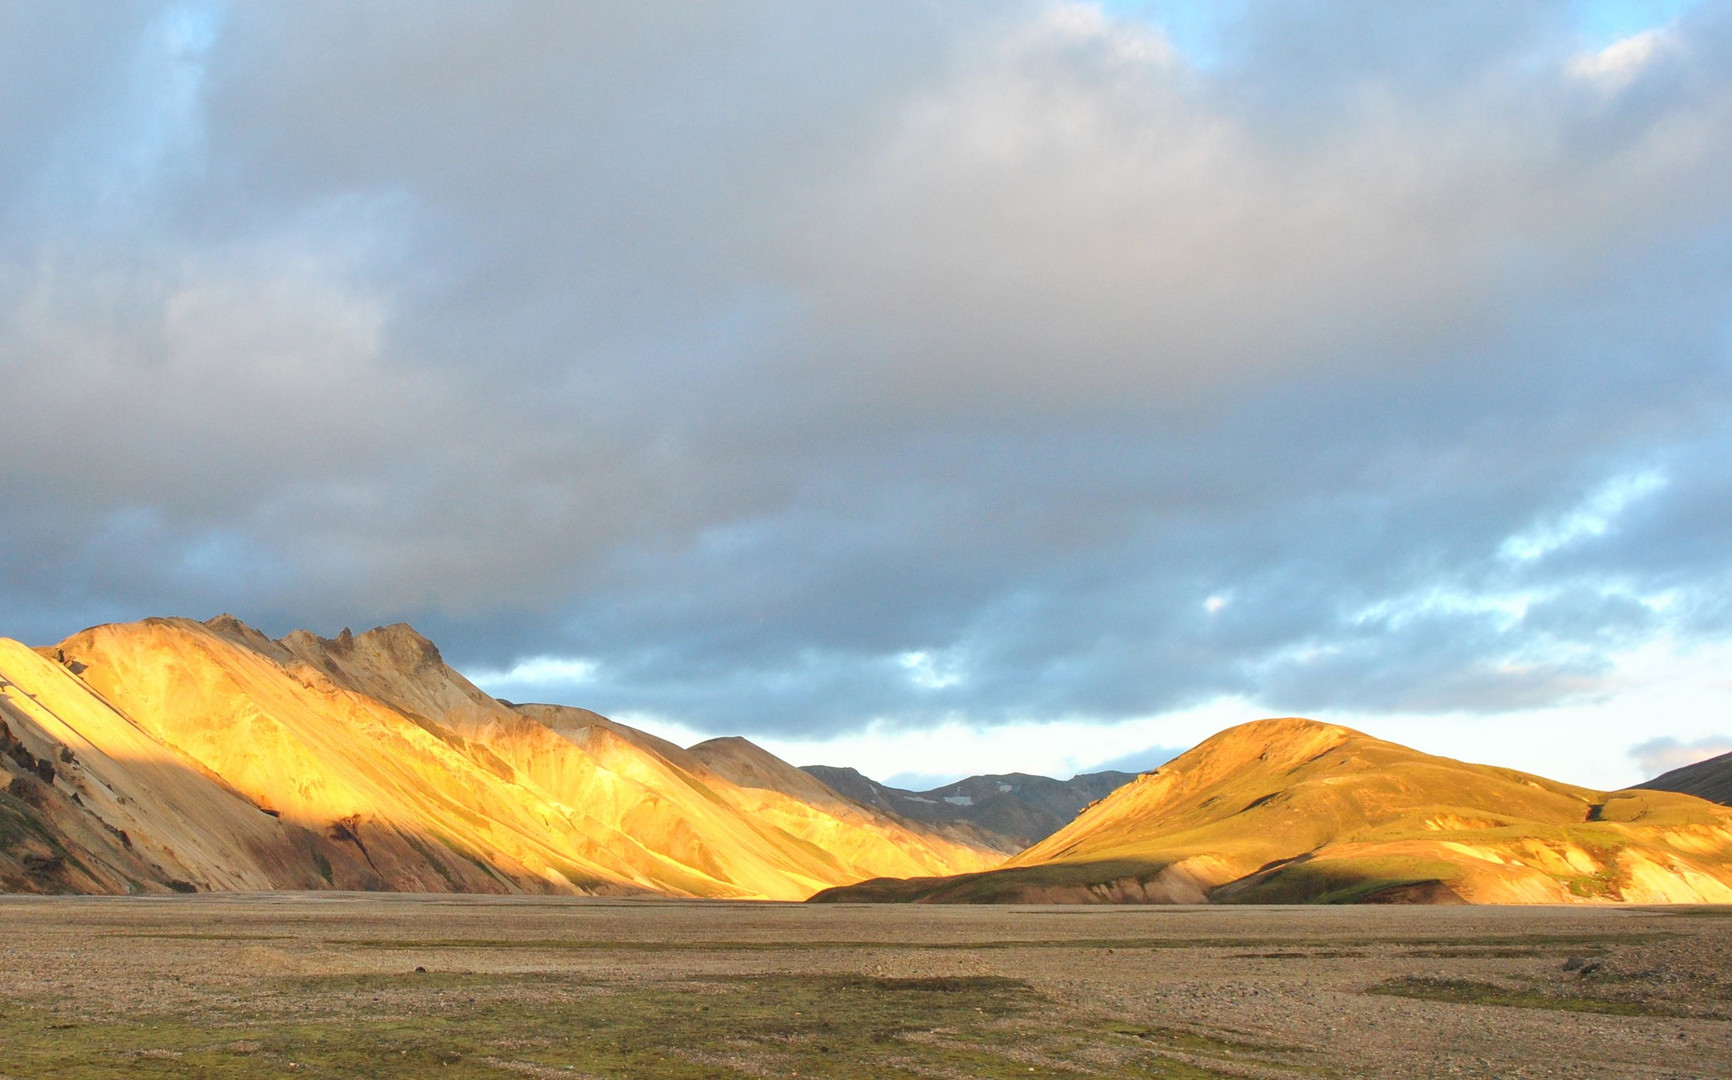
(458, 1026)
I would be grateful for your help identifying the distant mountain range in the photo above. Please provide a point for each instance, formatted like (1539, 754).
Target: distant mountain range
(1293, 811)
(1007, 811)
(176, 756)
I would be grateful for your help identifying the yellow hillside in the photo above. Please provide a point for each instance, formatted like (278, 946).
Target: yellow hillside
(228, 760)
(422, 810)
(108, 808)
(66, 743)
(1291, 810)
(652, 801)
(768, 789)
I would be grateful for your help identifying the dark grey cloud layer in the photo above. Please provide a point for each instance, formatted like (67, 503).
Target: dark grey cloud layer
(748, 351)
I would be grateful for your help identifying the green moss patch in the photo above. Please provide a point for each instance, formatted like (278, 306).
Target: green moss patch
(459, 1025)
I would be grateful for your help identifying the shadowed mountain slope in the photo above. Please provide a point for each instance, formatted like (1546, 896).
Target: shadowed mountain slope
(1710, 779)
(209, 756)
(1293, 811)
(1009, 811)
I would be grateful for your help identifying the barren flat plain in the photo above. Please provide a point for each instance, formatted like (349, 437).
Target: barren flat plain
(393, 986)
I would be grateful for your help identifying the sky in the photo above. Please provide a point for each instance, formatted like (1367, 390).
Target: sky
(934, 388)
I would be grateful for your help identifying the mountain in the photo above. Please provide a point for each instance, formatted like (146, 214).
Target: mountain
(1293, 811)
(1008, 812)
(669, 800)
(92, 803)
(1711, 780)
(189, 755)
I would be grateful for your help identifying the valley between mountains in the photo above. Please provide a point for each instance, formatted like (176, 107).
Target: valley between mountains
(170, 755)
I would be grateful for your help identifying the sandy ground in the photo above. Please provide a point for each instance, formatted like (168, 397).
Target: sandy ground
(1104, 990)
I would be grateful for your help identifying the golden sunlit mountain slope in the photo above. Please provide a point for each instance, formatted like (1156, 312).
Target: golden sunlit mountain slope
(422, 808)
(652, 800)
(770, 789)
(94, 803)
(1291, 811)
(210, 756)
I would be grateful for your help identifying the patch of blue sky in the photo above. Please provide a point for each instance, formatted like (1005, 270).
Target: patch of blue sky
(1195, 27)
(1602, 22)
(189, 28)
(147, 127)
(172, 65)
(1199, 28)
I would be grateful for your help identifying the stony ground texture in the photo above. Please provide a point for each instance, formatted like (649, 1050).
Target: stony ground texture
(389, 986)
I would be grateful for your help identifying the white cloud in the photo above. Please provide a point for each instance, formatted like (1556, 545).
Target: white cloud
(1620, 62)
(1594, 517)
(540, 671)
(929, 671)
(1395, 611)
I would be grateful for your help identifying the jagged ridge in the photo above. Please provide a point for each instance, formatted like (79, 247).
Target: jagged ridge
(206, 755)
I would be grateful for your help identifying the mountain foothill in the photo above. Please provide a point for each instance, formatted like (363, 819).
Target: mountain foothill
(170, 755)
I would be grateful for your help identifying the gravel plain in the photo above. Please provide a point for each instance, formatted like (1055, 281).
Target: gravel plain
(386, 985)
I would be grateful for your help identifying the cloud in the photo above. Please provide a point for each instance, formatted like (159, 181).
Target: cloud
(1596, 514)
(1140, 761)
(1621, 61)
(543, 669)
(1662, 755)
(797, 370)
(929, 672)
